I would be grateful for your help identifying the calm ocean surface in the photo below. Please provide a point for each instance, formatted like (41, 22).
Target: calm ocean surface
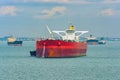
(101, 63)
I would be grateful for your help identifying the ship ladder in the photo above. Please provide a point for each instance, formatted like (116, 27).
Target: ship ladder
(43, 53)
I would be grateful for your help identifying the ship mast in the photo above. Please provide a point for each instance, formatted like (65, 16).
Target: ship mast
(51, 33)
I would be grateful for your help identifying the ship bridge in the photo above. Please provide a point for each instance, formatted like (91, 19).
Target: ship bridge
(70, 34)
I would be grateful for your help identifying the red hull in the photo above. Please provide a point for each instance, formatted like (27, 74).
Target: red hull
(60, 48)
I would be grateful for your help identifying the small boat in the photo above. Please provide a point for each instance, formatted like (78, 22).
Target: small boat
(69, 46)
(91, 40)
(12, 41)
(33, 53)
(102, 41)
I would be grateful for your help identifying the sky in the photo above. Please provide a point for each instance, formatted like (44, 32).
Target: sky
(29, 18)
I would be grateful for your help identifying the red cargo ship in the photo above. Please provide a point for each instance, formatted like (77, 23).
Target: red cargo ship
(68, 46)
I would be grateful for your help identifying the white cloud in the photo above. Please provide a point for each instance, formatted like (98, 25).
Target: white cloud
(59, 11)
(79, 1)
(110, 1)
(69, 1)
(109, 12)
(57, 1)
(8, 10)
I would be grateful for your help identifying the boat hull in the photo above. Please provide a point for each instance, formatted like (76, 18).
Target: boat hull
(92, 42)
(15, 43)
(60, 48)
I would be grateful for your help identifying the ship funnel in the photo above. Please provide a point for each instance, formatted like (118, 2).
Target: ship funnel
(72, 27)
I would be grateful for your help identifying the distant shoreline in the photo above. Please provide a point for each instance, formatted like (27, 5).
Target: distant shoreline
(33, 39)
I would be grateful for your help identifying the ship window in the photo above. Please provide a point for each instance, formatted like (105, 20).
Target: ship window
(70, 31)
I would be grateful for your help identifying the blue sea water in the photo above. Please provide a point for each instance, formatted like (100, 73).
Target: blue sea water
(102, 62)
